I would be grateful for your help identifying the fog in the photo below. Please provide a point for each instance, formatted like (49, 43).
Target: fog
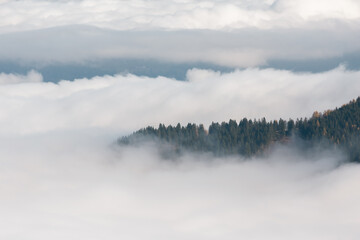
(76, 185)
(63, 176)
(125, 103)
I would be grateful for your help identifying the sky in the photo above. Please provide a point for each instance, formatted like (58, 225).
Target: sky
(75, 75)
(145, 37)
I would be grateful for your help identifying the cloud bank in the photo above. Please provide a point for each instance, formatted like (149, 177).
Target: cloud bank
(242, 48)
(226, 33)
(61, 176)
(72, 185)
(193, 14)
(124, 103)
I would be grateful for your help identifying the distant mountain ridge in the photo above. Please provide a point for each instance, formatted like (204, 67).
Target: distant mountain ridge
(339, 128)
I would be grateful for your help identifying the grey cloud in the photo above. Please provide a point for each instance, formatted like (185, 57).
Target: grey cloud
(242, 48)
(57, 71)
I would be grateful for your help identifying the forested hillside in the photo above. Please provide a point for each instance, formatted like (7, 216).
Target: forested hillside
(338, 128)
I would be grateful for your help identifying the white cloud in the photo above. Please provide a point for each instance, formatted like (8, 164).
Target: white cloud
(60, 177)
(71, 185)
(310, 10)
(124, 103)
(195, 14)
(32, 76)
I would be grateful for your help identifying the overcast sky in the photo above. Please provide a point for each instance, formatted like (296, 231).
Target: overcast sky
(177, 14)
(77, 74)
(227, 33)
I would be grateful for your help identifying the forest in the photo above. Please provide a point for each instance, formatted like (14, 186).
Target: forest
(338, 128)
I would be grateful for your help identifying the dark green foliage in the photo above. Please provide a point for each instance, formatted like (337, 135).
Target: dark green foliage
(340, 127)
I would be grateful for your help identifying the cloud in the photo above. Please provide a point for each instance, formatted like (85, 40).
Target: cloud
(61, 176)
(227, 33)
(194, 14)
(308, 10)
(32, 76)
(242, 48)
(72, 185)
(124, 103)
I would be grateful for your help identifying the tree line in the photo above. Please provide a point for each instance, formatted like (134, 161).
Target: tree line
(338, 128)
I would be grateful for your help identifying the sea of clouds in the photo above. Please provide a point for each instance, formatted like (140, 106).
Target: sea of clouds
(62, 176)
(124, 103)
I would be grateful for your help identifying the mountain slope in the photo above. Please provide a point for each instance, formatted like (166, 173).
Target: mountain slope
(338, 128)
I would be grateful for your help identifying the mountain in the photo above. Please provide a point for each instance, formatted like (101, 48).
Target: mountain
(338, 128)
